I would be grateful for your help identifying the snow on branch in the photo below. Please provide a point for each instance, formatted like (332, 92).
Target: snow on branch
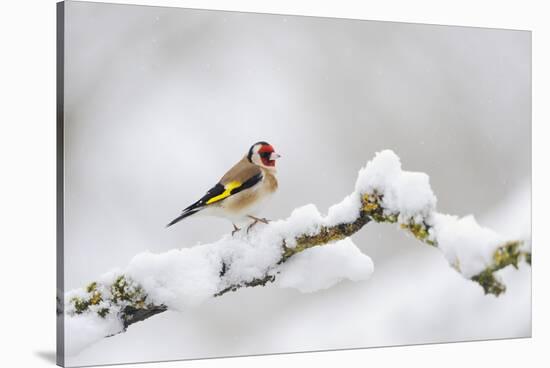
(288, 254)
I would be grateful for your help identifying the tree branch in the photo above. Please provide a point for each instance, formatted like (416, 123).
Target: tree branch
(130, 302)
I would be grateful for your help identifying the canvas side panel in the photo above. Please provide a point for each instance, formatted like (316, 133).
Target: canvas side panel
(60, 266)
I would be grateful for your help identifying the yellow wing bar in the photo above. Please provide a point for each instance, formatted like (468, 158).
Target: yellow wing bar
(226, 193)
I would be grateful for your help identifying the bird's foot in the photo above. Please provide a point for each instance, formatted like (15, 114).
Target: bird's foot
(251, 225)
(257, 219)
(236, 229)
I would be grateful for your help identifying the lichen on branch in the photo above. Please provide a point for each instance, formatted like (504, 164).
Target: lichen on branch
(506, 254)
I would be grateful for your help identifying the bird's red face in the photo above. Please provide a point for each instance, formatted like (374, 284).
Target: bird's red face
(263, 154)
(266, 151)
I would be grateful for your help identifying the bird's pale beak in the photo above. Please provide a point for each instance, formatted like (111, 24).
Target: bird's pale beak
(274, 156)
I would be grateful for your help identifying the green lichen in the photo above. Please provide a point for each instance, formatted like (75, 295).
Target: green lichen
(506, 255)
(419, 231)
(80, 304)
(126, 298)
(91, 287)
(103, 312)
(372, 207)
(95, 298)
(371, 203)
(489, 283)
(122, 290)
(456, 265)
(324, 235)
(391, 219)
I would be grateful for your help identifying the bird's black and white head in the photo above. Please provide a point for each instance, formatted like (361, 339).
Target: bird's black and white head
(263, 154)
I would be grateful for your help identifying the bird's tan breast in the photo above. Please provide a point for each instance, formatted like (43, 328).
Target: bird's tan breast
(270, 182)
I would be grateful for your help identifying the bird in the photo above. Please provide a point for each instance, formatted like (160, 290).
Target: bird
(242, 190)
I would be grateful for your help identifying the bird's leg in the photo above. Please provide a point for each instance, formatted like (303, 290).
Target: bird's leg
(251, 225)
(256, 219)
(235, 230)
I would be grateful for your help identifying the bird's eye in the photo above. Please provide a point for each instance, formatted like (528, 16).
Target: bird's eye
(265, 154)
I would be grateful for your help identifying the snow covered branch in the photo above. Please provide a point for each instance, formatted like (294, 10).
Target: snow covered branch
(289, 254)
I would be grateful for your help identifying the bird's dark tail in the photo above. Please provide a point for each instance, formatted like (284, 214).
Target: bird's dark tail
(185, 213)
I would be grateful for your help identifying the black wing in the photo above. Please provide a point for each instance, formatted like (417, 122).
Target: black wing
(216, 194)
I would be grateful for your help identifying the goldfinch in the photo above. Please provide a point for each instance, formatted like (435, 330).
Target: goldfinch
(239, 194)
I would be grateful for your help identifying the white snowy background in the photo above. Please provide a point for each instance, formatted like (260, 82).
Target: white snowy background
(159, 102)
